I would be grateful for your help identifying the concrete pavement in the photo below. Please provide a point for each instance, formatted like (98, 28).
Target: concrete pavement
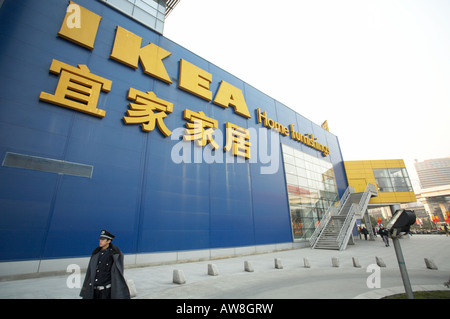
(293, 281)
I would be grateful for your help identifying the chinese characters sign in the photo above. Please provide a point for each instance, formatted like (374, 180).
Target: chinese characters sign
(148, 110)
(77, 89)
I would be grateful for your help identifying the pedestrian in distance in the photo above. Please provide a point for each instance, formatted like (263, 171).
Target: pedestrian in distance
(446, 230)
(384, 235)
(365, 232)
(104, 276)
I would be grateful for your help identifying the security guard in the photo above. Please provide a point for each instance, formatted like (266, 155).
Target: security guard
(104, 276)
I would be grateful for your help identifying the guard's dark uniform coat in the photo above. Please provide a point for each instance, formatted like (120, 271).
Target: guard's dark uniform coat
(119, 288)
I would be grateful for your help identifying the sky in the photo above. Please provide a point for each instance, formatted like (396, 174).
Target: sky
(377, 70)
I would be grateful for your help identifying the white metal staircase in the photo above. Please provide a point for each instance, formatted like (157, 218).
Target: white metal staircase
(336, 226)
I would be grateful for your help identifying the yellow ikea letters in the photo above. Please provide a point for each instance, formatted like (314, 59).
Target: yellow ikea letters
(231, 95)
(195, 80)
(127, 50)
(81, 25)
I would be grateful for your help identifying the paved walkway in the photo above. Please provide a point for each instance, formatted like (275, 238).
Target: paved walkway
(294, 281)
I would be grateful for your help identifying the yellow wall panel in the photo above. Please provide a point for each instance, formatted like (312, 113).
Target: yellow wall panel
(361, 172)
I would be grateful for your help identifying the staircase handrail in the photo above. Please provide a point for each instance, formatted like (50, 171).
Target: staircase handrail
(371, 190)
(344, 234)
(332, 211)
(325, 218)
(344, 197)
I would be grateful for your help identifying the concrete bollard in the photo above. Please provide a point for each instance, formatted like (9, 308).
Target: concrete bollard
(306, 263)
(131, 288)
(278, 263)
(430, 264)
(380, 262)
(248, 266)
(213, 270)
(335, 262)
(356, 262)
(178, 277)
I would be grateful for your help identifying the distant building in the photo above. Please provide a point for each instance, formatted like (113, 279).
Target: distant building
(434, 178)
(433, 172)
(436, 201)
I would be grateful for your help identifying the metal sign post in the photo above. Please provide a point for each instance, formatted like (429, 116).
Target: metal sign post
(398, 226)
(403, 270)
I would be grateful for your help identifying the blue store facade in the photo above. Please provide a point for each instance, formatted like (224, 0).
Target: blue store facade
(110, 125)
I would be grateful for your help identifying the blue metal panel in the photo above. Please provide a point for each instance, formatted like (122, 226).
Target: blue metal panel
(271, 209)
(82, 208)
(25, 211)
(231, 207)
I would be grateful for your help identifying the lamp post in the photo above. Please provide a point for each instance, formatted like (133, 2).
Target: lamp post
(399, 225)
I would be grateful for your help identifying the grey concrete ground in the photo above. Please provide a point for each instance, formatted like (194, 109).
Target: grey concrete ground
(321, 281)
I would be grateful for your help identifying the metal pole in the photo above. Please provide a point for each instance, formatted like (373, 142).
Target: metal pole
(402, 266)
(369, 225)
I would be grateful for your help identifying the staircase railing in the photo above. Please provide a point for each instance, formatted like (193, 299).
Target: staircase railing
(325, 219)
(345, 232)
(350, 216)
(350, 219)
(371, 190)
(345, 196)
(332, 211)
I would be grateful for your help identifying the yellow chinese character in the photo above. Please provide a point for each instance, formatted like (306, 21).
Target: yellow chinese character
(143, 111)
(77, 88)
(238, 139)
(195, 130)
